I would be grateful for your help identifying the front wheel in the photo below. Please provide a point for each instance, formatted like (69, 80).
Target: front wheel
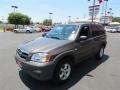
(63, 71)
(15, 31)
(100, 53)
(27, 31)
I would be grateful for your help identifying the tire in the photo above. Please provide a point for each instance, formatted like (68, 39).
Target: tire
(27, 31)
(63, 72)
(15, 31)
(100, 53)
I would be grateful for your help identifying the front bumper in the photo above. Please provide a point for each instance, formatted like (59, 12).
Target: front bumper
(40, 71)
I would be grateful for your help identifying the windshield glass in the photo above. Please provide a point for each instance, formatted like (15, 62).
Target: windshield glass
(63, 32)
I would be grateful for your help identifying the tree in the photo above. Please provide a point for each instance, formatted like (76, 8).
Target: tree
(1, 22)
(47, 22)
(116, 19)
(25, 20)
(18, 19)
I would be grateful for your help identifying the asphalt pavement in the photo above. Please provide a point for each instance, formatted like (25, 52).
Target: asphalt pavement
(88, 75)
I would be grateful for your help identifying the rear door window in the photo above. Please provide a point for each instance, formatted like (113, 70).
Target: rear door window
(95, 30)
(101, 29)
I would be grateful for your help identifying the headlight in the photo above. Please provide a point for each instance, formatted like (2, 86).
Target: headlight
(40, 57)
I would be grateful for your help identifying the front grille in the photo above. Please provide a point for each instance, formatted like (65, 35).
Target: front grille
(22, 54)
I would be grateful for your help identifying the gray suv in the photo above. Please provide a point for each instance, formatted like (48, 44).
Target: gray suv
(54, 55)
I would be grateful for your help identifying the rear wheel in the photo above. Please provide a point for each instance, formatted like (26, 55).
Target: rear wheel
(100, 53)
(27, 31)
(15, 31)
(63, 71)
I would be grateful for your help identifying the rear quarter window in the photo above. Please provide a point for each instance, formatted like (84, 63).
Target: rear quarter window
(97, 30)
(101, 29)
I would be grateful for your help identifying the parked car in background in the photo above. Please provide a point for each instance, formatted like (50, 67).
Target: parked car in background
(107, 28)
(54, 55)
(38, 29)
(118, 30)
(25, 30)
(45, 29)
(112, 29)
(8, 29)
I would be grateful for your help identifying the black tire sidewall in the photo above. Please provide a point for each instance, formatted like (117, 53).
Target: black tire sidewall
(27, 31)
(15, 31)
(56, 77)
(98, 57)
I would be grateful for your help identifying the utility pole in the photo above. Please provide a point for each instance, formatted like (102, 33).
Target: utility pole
(105, 11)
(93, 12)
(103, 5)
(111, 16)
(110, 9)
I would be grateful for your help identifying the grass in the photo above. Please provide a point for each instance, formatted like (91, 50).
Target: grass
(1, 29)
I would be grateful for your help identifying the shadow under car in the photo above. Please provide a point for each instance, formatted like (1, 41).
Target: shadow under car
(81, 70)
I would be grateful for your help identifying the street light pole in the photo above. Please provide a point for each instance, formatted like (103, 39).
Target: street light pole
(50, 15)
(50, 19)
(3, 23)
(14, 8)
(69, 19)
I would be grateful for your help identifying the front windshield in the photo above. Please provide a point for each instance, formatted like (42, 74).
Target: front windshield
(63, 32)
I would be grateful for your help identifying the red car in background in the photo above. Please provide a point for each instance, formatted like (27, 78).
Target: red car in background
(45, 29)
(118, 30)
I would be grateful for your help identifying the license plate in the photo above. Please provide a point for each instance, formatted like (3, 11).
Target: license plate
(19, 63)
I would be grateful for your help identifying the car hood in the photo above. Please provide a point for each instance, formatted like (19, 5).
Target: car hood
(42, 44)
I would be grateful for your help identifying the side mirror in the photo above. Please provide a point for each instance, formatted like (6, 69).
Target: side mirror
(83, 38)
(44, 34)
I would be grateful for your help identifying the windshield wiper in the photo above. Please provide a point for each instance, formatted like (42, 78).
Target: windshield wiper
(55, 37)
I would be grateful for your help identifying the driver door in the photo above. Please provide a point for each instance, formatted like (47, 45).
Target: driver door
(84, 47)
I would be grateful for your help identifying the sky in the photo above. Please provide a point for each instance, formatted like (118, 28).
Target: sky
(39, 10)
